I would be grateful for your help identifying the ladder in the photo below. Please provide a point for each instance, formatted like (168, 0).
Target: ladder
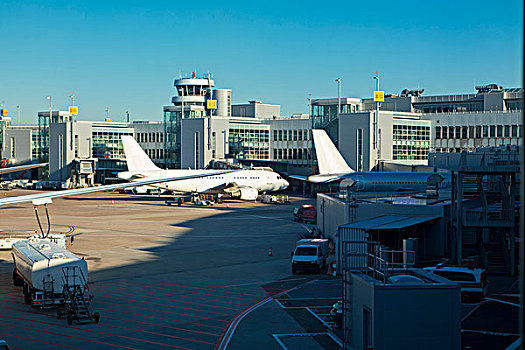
(77, 297)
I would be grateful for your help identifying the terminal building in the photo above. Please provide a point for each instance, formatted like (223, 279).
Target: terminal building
(203, 124)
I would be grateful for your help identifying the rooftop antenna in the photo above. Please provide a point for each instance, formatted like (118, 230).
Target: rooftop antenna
(127, 116)
(107, 113)
(72, 97)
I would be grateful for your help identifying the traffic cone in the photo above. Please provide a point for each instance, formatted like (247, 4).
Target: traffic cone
(112, 201)
(334, 267)
(270, 252)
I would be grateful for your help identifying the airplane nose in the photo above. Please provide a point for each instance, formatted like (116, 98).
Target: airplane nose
(284, 184)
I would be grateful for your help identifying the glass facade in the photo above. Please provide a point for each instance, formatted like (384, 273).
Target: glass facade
(325, 117)
(249, 142)
(449, 107)
(410, 142)
(107, 143)
(172, 130)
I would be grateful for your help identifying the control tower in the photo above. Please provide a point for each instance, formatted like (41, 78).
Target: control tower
(190, 102)
(193, 91)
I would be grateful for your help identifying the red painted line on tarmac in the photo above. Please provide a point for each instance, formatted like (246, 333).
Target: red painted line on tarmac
(172, 294)
(38, 341)
(177, 301)
(183, 286)
(226, 337)
(190, 297)
(163, 305)
(163, 326)
(64, 335)
(129, 320)
(160, 318)
(89, 331)
(260, 282)
(159, 334)
(166, 312)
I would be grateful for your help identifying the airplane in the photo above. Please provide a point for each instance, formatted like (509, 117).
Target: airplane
(45, 197)
(13, 169)
(244, 184)
(333, 167)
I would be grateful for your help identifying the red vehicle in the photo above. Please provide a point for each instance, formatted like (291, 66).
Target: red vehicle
(306, 213)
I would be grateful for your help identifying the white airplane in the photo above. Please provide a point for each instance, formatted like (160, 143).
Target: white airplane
(45, 197)
(333, 167)
(13, 169)
(245, 184)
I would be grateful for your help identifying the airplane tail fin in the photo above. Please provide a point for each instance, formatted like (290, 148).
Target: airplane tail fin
(329, 160)
(136, 158)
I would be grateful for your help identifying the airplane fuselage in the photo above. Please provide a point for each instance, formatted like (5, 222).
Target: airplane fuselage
(262, 180)
(389, 182)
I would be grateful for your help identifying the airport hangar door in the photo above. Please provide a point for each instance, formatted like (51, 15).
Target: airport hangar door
(391, 230)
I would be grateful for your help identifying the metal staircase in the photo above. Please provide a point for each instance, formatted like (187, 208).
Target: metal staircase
(77, 297)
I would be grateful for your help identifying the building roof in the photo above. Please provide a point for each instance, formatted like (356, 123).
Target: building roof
(390, 222)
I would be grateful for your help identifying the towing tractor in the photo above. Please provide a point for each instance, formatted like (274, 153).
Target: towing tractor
(310, 255)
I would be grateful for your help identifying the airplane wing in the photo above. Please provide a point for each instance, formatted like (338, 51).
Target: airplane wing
(319, 178)
(12, 169)
(74, 192)
(299, 177)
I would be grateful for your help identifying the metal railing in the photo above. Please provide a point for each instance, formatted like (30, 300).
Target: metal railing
(373, 259)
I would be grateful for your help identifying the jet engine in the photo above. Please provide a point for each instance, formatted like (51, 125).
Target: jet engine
(248, 194)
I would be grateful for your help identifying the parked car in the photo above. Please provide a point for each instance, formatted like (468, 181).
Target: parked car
(305, 213)
(473, 280)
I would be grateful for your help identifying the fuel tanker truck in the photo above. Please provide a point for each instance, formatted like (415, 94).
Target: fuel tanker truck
(51, 275)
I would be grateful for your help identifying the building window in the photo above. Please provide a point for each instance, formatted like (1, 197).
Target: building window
(438, 132)
(514, 131)
(485, 131)
(275, 135)
(76, 146)
(499, 130)
(478, 132)
(507, 130)
(13, 148)
(285, 135)
(280, 138)
(493, 131)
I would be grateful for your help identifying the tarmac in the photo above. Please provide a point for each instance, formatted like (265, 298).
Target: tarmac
(194, 277)
(166, 276)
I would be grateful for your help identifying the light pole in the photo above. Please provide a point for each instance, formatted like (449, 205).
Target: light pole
(50, 98)
(338, 96)
(18, 113)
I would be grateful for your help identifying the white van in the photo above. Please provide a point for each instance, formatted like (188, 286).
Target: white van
(310, 255)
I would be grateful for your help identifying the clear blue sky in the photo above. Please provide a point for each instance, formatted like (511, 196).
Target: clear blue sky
(126, 54)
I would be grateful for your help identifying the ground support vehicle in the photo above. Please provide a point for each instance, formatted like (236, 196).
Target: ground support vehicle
(473, 280)
(38, 269)
(305, 213)
(310, 255)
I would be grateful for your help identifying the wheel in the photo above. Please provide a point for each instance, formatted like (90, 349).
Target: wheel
(96, 317)
(294, 271)
(27, 298)
(69, 320)
(168, 203)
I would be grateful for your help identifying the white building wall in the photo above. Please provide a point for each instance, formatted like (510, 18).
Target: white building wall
(482, 129)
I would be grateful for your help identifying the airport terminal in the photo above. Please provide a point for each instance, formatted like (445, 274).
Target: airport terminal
(319, 219)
